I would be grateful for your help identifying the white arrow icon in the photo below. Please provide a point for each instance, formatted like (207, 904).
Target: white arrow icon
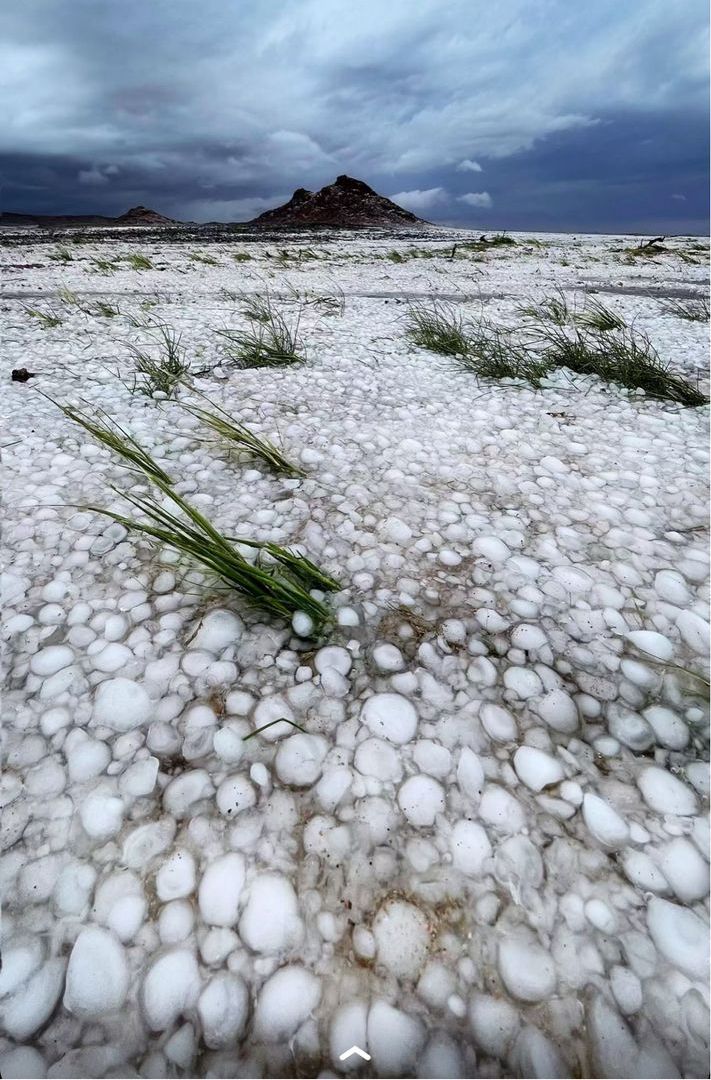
(354, 1050)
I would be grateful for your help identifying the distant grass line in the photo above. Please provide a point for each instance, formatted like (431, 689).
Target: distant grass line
(693, 310)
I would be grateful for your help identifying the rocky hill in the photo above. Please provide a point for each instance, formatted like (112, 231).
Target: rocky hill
(137, 215)
(345, 204)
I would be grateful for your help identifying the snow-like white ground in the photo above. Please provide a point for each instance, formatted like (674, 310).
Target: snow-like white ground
(489, 856)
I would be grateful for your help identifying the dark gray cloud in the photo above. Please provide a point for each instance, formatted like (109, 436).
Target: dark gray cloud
(547, 115)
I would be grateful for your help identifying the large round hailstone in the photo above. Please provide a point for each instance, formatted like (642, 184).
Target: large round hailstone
(176, 877)
(470, 846)
(558, 710)
(222, 1007)
(665, 794)
(402, 938)
(97, 974)
(501, 810)
(498, 723)
(421, 798)
(375, 757)
(651, 643)
(285, 1001)
(270, 922)
(537, 769)
(269, 710)
(604, 823)
(299, 759)
(681, 937)
(121, 704)
(527, 970)
(221, 888)
(234, 795)
(391, 716)
(171, 986)
(218, 630)
(494, 1022)
(333, 657)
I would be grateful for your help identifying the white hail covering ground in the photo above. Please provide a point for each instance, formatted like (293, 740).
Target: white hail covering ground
(488, 856)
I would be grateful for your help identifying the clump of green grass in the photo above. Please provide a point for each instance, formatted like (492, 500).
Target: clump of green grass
(104, 266)
(328, 303)
(201, 257)
(241, 256)
(648, 250)
(552, 308)
(110, 434)
(270, 341)
(694, 310)
(162, 374)
(626, 358)
(239, 436)
(499, 240)
(258, 308)
(139, 262)
(108, 311)
(596, 316)
(61, 255)
(280, 588)
(437, 327)
(47, 319)
(493, 353)
(396, 257)
(69, 298)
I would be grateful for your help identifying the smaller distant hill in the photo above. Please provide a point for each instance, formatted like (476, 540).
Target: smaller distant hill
(345, 204)
(137, 215)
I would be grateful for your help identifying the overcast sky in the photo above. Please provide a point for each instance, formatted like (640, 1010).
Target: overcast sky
(541, 114)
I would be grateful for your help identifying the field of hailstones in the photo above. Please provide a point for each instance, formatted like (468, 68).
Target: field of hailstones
(356, 634)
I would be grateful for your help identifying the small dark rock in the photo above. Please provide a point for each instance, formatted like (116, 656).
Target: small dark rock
(22, 374)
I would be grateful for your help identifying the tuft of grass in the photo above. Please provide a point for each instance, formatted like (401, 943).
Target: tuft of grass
(499, 240)
(240, 437)
(47, 319)
(626, 358)
(396, 257)
(597, 316)
(694, 310)
(282, 588)
(493, 353)
(110, 434)
(258, 308)
(207, 260)
(62, 255)
(70, 298)
(164, 373)
(437, 327)
(108, 311)
(139, 262)
(551, 308)
(241, 256)
(270, 341)
(104, 266)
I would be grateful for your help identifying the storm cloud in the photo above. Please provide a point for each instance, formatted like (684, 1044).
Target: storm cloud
(514, 115)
